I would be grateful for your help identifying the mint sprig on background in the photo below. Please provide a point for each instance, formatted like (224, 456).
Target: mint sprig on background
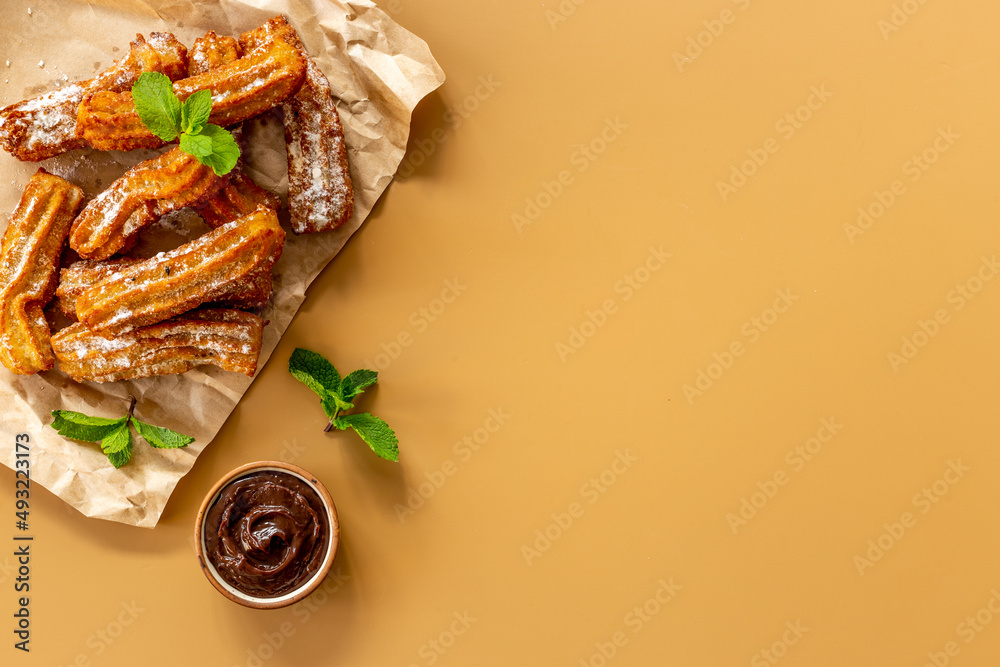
(335, 394)
(114, 434)
(169, 118)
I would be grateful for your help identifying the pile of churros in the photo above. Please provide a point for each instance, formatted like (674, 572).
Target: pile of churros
(196, 304)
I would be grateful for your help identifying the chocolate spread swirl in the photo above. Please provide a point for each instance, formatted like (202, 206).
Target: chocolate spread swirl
(267, 533)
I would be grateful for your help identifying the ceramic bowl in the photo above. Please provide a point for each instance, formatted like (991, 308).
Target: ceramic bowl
(292, 596)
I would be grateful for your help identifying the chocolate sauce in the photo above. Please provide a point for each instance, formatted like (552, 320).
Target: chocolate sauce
(267, 533)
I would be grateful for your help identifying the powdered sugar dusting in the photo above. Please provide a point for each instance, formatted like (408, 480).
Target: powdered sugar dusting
(319, 188)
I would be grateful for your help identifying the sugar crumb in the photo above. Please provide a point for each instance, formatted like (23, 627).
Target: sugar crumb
(29, 11)
(41, 63)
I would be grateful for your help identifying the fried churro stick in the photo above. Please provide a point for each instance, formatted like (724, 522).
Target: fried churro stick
(248, 293)
(237, 198)
(240, 195)
(45, 126)
(29, 259)
(212, 51)
(155, 289)
(229, 339)
(320, 192)
(241, 90)
(138, 198)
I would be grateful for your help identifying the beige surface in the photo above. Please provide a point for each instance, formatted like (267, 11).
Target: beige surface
(793, 564)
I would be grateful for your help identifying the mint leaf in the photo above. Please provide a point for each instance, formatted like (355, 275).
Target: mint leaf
(164, 115)
(356, 381)
(117, 445)
(79, 426)
(160, 437)
(225, 151)
(375, 432)
(195, 111)
(333, 404)
(314, 371)
(197, 145)
(157, 106)
(114, 434)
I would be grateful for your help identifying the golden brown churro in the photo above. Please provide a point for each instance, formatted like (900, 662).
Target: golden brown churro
(155, 289)
(229, 339)
(241, 90)
(234, 200)
(320, 192)
(141, 196)
(248, 293)
(45, 126)
(29, 260)
(212, 51)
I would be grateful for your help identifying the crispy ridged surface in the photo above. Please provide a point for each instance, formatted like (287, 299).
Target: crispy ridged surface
(229, 339)
(241, 90)
(29, 260)
(155, 289)
(320, 192)
(139, 197)
(248, 293)
(45, 126)
(237, 198)
(212, 51)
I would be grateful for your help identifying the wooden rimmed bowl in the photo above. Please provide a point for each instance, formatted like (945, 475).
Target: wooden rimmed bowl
(293, 596)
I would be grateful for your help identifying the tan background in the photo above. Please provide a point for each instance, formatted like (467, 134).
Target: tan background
(106, 594)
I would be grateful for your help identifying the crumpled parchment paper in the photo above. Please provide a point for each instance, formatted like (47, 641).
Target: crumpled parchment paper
(379, 71)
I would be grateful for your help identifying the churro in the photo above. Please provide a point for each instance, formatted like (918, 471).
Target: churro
(212, 51)
(240, 90)
(320, 192)
(155, 289)
(235, 199)
(45, 126)
(249, 293)
(229, 339)
(29, 260)
(143, 194)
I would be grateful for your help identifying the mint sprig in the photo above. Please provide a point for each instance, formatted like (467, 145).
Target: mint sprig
(114, 434)
(316, 372)
(169, 118)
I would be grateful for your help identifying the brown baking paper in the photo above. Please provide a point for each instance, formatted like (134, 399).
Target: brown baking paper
(379, 71)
